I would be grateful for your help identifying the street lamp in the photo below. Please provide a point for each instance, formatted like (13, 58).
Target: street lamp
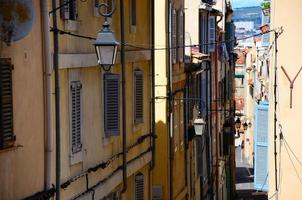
(106, 47)
(245, 126)
(237, 123)
(106, 43)
(199, 125)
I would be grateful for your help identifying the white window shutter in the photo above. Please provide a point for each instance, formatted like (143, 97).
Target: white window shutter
(139, 186)
(181, 36)
(174, 37)
(76, 122)
(138, 96)
(211, 33)
(111, 104)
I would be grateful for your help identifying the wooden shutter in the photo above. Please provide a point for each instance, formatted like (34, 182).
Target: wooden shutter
(174, 36)
(111, 104)
(261, 148)
(76, 125)
(138, 96)
(211, 33)
(139, 187)
(7, 137)
(181, 36)
(199, 155)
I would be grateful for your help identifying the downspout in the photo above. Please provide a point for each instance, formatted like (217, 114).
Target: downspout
(57, 99)
(123, 62)
(47, 73)
(216, 114)
(170, 91)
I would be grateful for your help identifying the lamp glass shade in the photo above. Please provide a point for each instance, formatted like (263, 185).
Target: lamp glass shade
(199, 125)
(106, 55)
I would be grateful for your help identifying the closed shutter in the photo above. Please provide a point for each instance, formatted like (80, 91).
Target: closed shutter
(76, 142)
(199, 155)
(139, 187)
(138, 96)
(69, 9)
(261, 148)
(7, 137)
(174, 36)
(212, 33)
(111, 104)
(181, 36)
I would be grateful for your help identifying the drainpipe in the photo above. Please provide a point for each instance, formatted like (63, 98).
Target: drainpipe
(170, 91)
(123, 62)
(47, 73)
(57, 99)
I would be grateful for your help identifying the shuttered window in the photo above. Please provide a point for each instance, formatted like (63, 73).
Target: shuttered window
(111, 104)
(139, 187)
(212, 33)
(76, 141)
(261, 148)
(138, 96)
(69, 9)
(7, 137)
(174, 36)
(180, 36)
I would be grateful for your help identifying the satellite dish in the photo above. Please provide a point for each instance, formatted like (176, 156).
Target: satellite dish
(16, 19)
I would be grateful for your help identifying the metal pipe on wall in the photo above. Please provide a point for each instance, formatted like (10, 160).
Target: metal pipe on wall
(57, 99)
(124, 125)
(48, 100)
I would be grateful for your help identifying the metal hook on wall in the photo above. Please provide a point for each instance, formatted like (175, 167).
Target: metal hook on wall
(291, 84)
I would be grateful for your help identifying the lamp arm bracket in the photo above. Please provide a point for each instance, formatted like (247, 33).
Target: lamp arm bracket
(107, 14)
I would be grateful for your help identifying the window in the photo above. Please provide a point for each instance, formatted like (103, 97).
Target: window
(174, 37)
(75, 121)
(139, 186)
(7, 137)
(111, 104)
(138, 96)
(133, 16)
(203, 33)
(212, 33)
(69, 9)
(180, 35)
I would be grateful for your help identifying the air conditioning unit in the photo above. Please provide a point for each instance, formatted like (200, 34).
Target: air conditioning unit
(209, 2)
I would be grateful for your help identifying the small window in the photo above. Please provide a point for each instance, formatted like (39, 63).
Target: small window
(111, 104)
(69, 9)
(138, 96)
(7, 137)
(133, 19)
(75, 121)
(139, 186)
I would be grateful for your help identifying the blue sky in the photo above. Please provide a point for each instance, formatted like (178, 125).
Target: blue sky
(245, 3)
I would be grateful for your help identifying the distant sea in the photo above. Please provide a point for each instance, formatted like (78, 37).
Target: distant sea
(248, 14)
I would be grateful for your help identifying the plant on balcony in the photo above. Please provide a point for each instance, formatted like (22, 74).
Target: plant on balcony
(266, 7)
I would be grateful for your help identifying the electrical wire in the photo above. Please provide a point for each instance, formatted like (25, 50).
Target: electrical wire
(295, 156)
(293, 164)
(151, 47)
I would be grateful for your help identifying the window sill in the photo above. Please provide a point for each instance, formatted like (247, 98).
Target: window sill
(13, 148)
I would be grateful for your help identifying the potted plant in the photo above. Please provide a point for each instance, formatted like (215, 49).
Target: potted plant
(266, 5)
